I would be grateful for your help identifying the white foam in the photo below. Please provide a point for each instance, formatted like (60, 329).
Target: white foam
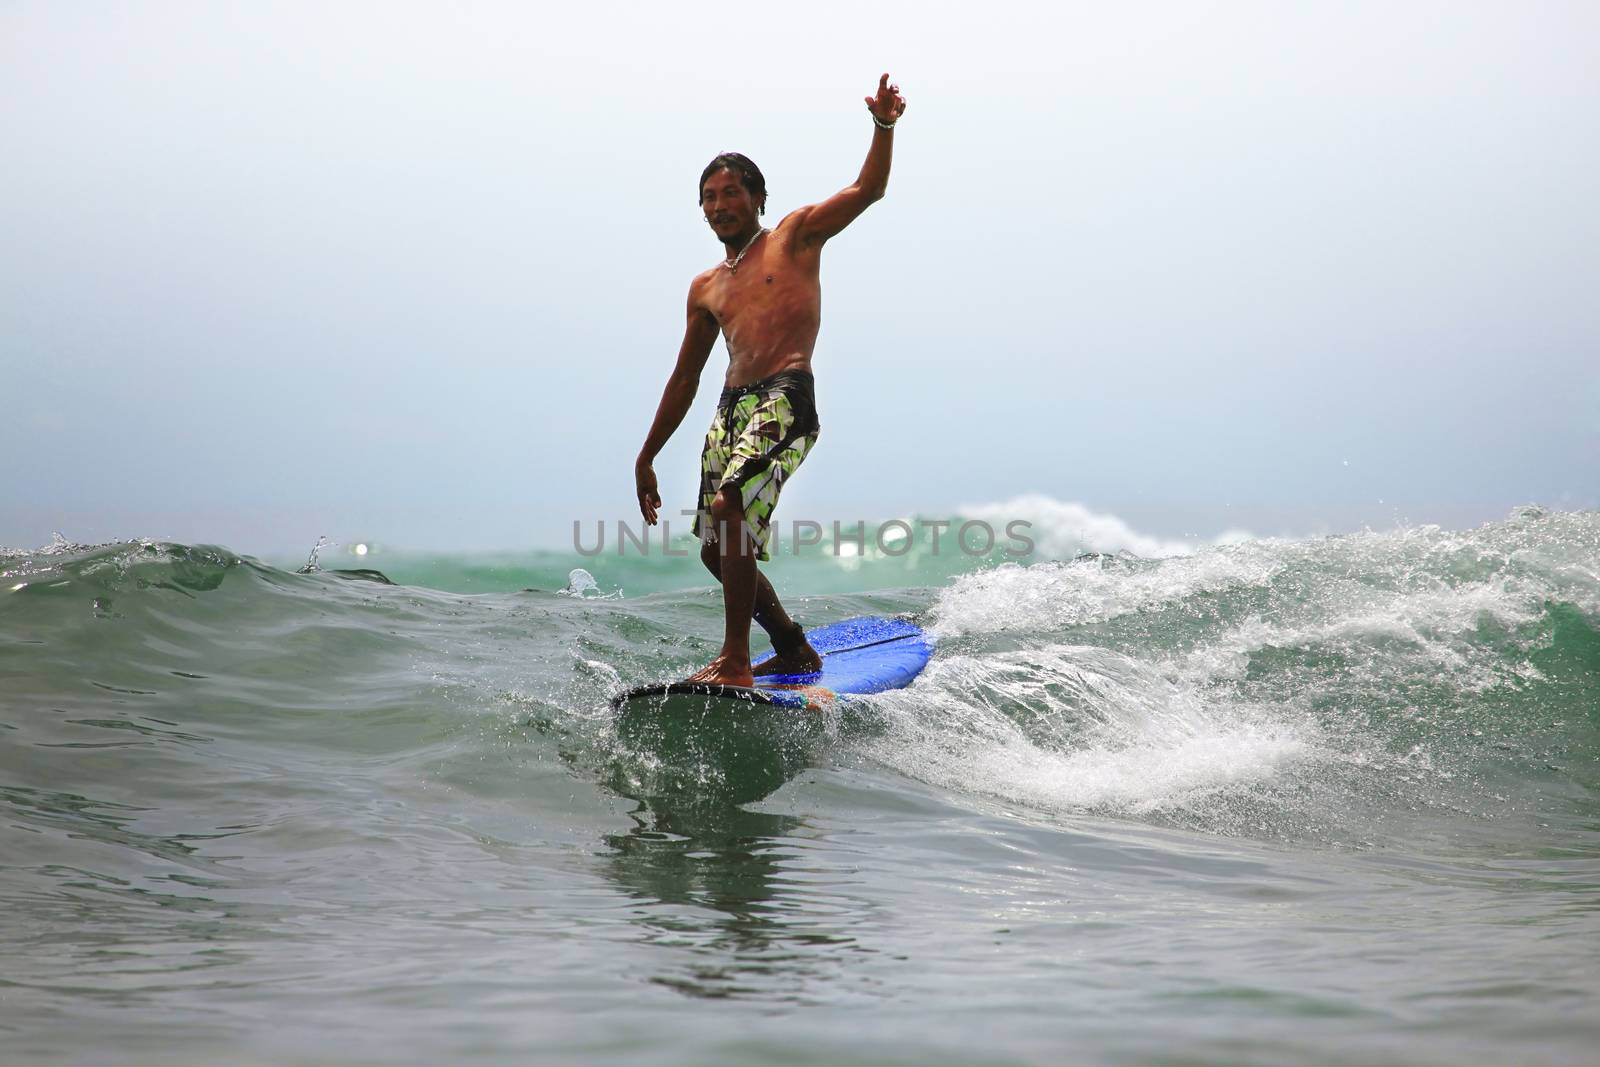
(1052, 595)
(1193, 710)
(1137, 780)
(1428, 625)
(1076, 727)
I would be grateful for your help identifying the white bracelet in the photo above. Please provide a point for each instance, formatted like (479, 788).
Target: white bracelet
(879, 122)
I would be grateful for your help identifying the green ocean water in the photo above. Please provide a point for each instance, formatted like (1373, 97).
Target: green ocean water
(1333, 800)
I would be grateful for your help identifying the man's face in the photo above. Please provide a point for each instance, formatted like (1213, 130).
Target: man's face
(727, 204)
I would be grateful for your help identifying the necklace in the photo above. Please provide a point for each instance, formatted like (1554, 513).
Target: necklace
(733, 264)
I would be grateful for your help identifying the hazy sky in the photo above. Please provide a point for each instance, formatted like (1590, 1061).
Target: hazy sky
(415, 273)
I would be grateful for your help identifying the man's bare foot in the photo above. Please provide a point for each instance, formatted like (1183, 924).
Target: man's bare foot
(802, 660)
(724, 671)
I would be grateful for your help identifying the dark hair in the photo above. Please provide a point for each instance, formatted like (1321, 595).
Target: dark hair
(749, 177)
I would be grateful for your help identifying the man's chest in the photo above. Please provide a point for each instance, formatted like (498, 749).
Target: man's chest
(762, 290)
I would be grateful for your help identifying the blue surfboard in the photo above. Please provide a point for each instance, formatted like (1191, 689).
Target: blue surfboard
(859, 656)
(739, 743)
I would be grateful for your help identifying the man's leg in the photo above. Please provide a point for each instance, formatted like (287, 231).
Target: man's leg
(769, 613)
(764, 447)
(736, 562)
(794, 654)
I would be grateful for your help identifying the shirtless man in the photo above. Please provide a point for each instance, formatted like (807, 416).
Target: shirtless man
(765, 298)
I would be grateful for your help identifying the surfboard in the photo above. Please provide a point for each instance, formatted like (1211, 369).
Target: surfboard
(739, 743)
(859, 656)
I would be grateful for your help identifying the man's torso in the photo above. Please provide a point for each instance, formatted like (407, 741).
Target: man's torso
(770, 308)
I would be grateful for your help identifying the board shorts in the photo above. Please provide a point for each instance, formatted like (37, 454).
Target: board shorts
(760, 435)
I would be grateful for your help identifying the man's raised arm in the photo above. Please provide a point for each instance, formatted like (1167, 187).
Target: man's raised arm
(698, 337)
(821, 221)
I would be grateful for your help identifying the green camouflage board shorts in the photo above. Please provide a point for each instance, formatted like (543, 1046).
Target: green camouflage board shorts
(758, 438)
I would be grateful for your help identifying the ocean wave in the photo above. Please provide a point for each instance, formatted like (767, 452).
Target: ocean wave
(1063, 528)
(1266, 683)
(1272, 683)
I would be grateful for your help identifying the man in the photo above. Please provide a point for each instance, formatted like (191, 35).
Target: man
(765, 298)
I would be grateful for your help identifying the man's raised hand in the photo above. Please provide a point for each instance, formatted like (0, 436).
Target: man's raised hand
(888, 105)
